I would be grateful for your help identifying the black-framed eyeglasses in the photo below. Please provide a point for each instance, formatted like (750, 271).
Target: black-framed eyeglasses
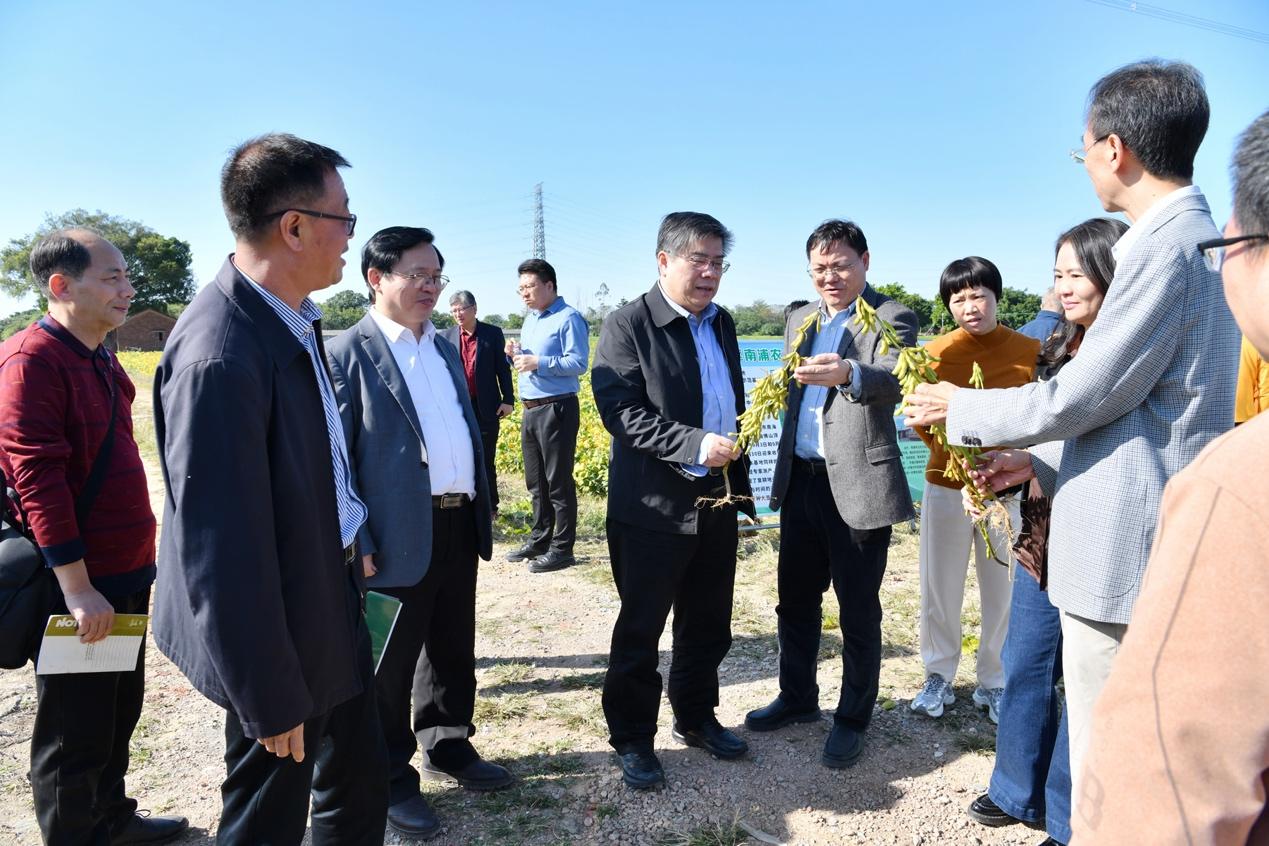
(1214, 250)
(351, 219)
(706, 263)
(1079, 158)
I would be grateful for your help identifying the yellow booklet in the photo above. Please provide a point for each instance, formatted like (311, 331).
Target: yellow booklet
(61, 651)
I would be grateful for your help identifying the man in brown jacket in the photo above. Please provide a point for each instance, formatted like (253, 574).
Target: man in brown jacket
(1180, 739)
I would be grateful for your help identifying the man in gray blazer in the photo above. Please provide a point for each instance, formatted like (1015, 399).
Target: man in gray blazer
(1152, 384)
(415, 450)
(839, 486)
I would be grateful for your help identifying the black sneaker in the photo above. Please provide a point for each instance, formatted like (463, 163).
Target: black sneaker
(986, 812)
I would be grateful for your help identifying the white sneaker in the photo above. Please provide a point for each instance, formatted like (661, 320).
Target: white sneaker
(936, 694)
(989, 698)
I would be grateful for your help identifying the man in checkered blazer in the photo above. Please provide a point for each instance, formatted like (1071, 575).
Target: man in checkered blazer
(1152, 385)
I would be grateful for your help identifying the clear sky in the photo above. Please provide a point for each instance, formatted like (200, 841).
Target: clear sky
(941, 128)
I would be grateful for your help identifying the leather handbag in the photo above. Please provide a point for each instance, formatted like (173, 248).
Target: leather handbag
(28, 588)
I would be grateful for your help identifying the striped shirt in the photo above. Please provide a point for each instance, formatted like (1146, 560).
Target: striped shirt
(302, 324)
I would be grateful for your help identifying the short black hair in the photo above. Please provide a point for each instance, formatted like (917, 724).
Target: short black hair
(1251, 181)
(270, 174)
(837, 232)
(1160, 111)
(385, 248)
(969, 272)
(58, 252)
(794, 306)
(540, 268)
(680, 230)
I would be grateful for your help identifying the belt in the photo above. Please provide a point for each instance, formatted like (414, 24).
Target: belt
(445, 502)
(350, 553)
(534, 403)
(814, 467)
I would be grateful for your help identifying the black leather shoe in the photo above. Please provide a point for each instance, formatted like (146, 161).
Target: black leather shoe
(986, 812)
(478, 775)
(143, 828)
(524, 553)
(553, 560)
(713, 738)
(778, 715)
(641, 770)
(843, 747)
(414, 818)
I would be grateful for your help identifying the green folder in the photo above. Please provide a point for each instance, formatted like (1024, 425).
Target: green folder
(381, 618)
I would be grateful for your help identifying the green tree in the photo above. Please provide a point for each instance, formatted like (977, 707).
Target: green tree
(1017, 307)
(758, 319)
(344, 309)
(159, 266)
(515, 320)
(923, 308)
(19, 321)
(494, 320)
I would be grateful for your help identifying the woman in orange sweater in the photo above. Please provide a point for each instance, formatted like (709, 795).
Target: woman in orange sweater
(970, 288)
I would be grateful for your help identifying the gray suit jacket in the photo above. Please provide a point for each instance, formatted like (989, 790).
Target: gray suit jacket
(389, 457)
(860, 443)
(1152, 384)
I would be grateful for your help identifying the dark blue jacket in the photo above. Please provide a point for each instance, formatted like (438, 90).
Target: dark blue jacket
(493, 371)
(256, 605)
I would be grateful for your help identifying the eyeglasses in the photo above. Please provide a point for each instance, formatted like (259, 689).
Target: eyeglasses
(459, 309)
(438, 281)
(1082, 156)
(821, 274)
(706, 263)
(1214, 250)
(350, 220)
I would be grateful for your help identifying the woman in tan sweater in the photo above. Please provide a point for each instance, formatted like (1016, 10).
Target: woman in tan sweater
(970, 288)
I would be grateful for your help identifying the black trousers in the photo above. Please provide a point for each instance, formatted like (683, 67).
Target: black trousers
(655, 571)
(266, 798)
(489, 441)
(818, 548)
(79, 746)
(548, 436)
(432, 654)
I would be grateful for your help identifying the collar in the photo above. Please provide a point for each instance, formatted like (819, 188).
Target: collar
(1146, 222)
(300, 323)
(706, 316)
(50, 325)
(394, 331)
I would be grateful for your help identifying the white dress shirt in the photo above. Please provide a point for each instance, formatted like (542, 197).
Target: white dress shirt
(1139, 226)
(451, 463)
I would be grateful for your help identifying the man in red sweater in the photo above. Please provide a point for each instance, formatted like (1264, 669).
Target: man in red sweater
(59, 388)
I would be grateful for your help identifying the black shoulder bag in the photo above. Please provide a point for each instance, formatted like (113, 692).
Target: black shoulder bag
(28, 588)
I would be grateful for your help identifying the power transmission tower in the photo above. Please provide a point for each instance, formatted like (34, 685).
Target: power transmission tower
(539, 224)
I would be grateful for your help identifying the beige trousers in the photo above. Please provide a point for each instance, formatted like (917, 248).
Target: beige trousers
(948, 536)
(1089, 648)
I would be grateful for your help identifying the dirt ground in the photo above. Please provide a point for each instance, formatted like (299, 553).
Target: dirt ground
(542, 642)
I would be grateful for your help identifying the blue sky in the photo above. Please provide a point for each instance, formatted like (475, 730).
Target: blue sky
(941, 128)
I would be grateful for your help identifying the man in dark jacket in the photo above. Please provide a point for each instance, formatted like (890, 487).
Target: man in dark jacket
(668, 385)
(259, 605)
(482, 348)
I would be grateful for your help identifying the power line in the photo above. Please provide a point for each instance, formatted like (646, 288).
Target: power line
(1183, 19)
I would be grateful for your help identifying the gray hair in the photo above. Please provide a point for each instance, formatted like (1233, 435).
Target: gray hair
(463, 299)
(680, 230)
(1251, 181)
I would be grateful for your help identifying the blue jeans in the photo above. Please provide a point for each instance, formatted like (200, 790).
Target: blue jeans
(1032, 778)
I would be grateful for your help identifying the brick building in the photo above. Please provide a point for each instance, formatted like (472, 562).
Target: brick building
(146, 330)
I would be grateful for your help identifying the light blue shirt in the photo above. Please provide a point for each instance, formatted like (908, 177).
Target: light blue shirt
(809, 440)
(718, 400)
(352, 512)
(560, 338)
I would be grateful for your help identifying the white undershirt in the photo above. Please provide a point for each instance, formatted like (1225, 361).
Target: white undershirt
(451, 464)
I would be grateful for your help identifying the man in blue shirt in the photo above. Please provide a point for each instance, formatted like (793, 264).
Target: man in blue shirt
(554, 348)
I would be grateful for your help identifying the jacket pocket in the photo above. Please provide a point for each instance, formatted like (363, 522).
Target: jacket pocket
(881, 453)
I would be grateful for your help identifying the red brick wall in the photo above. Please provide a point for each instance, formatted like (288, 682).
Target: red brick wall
(147, 330)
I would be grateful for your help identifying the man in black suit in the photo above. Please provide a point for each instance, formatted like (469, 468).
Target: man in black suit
(260, 600)
(488, 371)
(668, 385)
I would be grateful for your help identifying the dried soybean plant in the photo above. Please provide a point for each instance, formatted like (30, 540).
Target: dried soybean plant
(769, 399)
(916, 365)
